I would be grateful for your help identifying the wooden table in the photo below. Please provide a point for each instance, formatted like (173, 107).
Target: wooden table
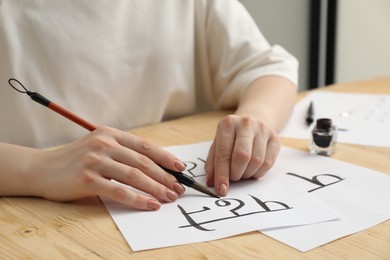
(33, 228)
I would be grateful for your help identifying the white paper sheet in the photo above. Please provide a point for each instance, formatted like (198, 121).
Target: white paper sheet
(362, 118)
(251, 205)
(361, 196)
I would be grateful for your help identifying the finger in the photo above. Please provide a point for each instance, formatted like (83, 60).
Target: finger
(273, 148)
(223, 154)
(243, 148)
(137, 179)
(123, 195)
(152, 151)
(146, 167)
(258, 155)
(209, 165)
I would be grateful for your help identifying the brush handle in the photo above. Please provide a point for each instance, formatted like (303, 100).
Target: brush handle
(180, 177)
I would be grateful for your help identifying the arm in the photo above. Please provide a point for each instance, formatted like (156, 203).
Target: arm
(270, 99)
(15, 162)
(246, 144)
(87, 166)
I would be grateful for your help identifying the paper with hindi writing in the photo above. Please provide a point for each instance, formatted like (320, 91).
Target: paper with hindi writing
(360, 195)
(251, 205)
(361, 118)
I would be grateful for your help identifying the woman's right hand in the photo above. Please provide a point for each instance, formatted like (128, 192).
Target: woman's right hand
(87, 166)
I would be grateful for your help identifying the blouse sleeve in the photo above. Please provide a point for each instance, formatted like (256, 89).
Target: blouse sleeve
(238, 53)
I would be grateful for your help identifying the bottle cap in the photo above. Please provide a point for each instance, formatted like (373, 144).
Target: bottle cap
(324, 124)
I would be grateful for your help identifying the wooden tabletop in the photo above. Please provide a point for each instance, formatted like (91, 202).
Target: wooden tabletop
(34, 228)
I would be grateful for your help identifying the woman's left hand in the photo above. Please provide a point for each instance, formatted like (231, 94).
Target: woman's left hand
(244, 147)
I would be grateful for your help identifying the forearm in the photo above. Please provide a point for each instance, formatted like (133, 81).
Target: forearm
(17, 167)
(269, 99)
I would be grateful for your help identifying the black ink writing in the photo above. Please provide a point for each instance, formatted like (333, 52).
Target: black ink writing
(192, 166)
(265, 206)
(316, 180)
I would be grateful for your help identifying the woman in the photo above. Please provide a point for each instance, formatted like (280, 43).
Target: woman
(130, 63)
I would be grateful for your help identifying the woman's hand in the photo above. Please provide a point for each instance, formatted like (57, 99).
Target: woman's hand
(243, 148)
(246, 144)
(87, 166)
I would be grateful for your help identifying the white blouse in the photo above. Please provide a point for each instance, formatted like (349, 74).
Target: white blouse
(126, 63)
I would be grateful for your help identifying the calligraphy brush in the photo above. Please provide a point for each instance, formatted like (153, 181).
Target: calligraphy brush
(190, 182)
(310, 114)
(182, 178)
(53, 106)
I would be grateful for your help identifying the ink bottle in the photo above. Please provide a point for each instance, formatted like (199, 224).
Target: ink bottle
(323, 139)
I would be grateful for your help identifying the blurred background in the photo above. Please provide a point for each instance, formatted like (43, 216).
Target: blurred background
(335, 40)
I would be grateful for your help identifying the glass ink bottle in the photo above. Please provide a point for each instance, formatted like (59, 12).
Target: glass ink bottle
(323, 139)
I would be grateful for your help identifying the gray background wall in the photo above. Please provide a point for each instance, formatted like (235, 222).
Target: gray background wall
(363, 40)
(286, 23)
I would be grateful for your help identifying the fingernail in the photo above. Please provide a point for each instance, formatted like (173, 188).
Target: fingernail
(153, 204)
(172, 196)
(178, 188)
(223, 189)
(179, 165)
